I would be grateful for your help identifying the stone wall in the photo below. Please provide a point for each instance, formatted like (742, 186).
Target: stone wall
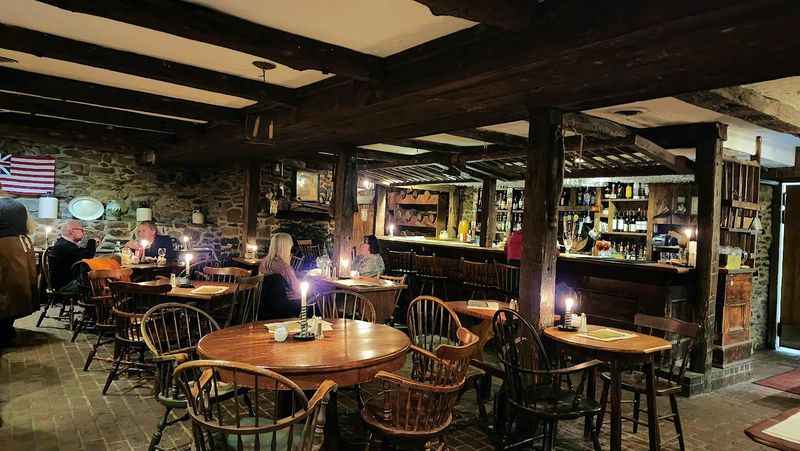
(760, 299)
(470, 204)
(172, 193)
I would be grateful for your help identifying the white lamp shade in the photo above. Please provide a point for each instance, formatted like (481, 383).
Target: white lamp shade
(48, 208)
(144, 214)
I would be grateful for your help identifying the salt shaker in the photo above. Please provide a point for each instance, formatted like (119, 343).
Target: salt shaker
(318, 334)
(513, 305)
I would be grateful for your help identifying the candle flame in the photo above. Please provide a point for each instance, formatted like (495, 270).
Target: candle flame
(569, 302)
(303, 289)
(188, 257)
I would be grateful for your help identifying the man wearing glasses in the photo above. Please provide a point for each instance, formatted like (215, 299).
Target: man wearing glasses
(66, 252)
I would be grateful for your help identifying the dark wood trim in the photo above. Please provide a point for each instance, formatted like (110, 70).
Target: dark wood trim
(82, 134)
(545, 177)
(56, 47)
(252, 193)
(681, 136)
(678, 164)
(488, 212)
(774, 258)
(90, 113)
(78, 91)
(514, 15)
(202, 24)
(344, 206)
(503, 139)
(708, 176)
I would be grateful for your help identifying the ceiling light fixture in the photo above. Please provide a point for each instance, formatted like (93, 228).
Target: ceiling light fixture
(260, 127)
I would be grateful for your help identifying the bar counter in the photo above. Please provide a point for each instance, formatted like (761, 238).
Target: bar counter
(611, 290)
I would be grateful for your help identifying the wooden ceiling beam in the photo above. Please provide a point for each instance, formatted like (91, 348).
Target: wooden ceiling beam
(513, 15)
(79, 91)
(749, 105)
(72, 133)
(678, 164)
(490, 136)
(431, 146)
(683, 136)
(56, 47)
(203, 24)
(52, 107)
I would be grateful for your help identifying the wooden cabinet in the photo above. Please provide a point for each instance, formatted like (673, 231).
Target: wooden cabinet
(732, 338)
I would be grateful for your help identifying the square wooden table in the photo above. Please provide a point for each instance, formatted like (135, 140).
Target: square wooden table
(381, 293)
(184, 294)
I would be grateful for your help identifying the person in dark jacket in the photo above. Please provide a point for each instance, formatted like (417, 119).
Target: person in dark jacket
(17, 268)
(66, 252)
(147, 231)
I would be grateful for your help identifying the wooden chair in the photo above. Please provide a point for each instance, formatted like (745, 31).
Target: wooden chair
(171, 332)
(227, 275)
(297, 263)
(86, 316)
(535, 391)
(246, 304)
(343, 304)
(196, 269)
(400, 263)
(480, 277)
(130, 302)
(419, 410)
(55, 297)
(507, 280)
(431, 325)
(400, 280)
(279, 418)
(429, 273)
(100, 297)
(669, 370)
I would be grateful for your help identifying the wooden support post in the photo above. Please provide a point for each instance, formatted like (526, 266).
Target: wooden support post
(344, 193)
(708, 175)
(380, 210)
(488, 213)
(252, 191)
(543, 183)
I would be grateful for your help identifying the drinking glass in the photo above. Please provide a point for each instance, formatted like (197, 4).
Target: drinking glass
(162, 252)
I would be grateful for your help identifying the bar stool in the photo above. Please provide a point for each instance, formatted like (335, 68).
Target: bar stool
(478, 276)
(429, 273)
(507, 280)
(400, 263)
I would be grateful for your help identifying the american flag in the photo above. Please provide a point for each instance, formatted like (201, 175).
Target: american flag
(28, 175)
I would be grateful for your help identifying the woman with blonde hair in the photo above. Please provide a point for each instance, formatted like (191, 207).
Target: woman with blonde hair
(278, 261)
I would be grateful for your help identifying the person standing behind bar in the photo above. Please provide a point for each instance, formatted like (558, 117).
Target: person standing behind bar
(17, 267)
(369, 262)
(513, 248)
(66, 252)
(147, 231)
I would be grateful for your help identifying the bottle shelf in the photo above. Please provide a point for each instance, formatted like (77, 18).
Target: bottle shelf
(642, 234)
(625, 200)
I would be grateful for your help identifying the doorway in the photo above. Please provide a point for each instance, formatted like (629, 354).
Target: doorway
(789, 268)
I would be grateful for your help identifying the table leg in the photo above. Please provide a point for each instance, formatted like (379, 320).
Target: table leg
(591, 393)
(652, 409)
(332, 436)
(616, 406)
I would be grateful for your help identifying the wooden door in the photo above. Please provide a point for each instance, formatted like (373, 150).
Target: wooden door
(790, 283)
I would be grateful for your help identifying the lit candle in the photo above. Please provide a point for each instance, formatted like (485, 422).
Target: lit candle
(144, 244)
(354, 274)
(47, 231)
(391, 229)
(303, 293)
(569, 303)
(344, 265)
(568, 313)
(688, 232)
(185, 239)
(188, 259)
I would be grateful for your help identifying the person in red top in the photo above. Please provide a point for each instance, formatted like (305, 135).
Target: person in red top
(513, 248)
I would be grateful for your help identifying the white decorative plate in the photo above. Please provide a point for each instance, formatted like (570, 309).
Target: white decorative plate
(86, 208)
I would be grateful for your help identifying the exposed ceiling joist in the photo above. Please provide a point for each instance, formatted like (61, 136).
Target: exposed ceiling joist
(493, 137)
(617, 172)
(430, 146)
(81, 134)
(62, 88)
(684, 136)
(678, 164)
(748, 105)
(203, 24)
(56, 47)
(77, 111)
(512, 15)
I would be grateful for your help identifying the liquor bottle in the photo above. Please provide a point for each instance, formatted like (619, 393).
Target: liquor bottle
(587, 196)
(607, 191)
(635, 190)
(628, 191)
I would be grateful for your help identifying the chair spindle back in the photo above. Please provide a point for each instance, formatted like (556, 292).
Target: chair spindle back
(343, 304)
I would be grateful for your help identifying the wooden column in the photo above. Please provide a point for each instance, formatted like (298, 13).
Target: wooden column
(252, 191)
(344, 194)
(708, 176)
(543, 183)
(488, 213)
(380, 210)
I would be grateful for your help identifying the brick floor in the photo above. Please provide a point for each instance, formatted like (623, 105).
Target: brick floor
(47, 402)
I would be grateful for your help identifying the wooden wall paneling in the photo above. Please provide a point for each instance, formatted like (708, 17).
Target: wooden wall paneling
(543, 184)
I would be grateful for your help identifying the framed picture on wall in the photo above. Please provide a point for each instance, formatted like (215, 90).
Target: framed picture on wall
(307, 186)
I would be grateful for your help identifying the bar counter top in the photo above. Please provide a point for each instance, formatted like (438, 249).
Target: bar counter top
(437, 242)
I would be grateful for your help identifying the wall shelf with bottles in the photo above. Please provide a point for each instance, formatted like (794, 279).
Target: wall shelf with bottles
(639, 234)
(417, 212)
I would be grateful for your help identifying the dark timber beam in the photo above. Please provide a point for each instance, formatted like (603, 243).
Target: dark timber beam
(203, 24)
(81, 134)
(709, 189)
(56, 47)
(488, 213)
(749, 105)
(679, 136)
(90, 113)
(618, 172)
(493, 137)
(344, 205)
(543, 183)
(252, 187)
(430, 146)
(78, 91)
(514, 15)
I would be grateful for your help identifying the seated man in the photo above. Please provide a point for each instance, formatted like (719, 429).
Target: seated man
(146, 231)
(66, 252)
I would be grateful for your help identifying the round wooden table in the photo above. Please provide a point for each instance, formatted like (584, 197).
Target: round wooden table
(348, 356)
(639, 349)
